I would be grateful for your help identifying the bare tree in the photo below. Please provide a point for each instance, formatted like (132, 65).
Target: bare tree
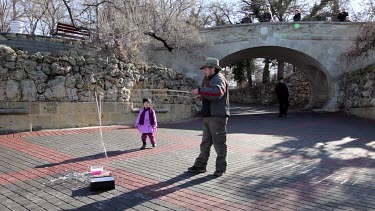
(9, 10)
(129, 25)
(34, 11)
(266, 72)
(369, 13)
(223, 13)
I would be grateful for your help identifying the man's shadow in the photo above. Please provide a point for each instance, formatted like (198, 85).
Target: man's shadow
(143, 194)
(90, 157)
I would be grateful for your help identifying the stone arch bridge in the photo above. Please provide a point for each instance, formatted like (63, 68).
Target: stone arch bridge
(314, 47)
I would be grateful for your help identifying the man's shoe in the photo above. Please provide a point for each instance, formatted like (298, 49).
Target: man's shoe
(219, 173)
(153, 145)
(196, 169)
(143, 147)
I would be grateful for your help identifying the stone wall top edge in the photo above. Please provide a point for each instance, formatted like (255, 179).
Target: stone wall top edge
(282, 23)
(42, 37)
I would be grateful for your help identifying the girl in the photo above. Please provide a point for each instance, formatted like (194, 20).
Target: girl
(147, 123)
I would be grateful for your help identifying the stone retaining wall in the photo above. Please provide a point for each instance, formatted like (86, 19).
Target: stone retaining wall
(53, 115)
(299, 91)
(357, 96)
(67, 81)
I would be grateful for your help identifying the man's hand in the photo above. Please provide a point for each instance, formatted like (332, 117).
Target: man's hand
(194, 92)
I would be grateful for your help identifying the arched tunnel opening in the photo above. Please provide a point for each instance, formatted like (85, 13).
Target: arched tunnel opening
(312, 69)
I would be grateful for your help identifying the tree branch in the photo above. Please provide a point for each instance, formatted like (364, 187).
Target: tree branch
(153, 35)
(70, 12)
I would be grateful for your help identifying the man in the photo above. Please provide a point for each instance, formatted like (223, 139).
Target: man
(283, 97)
(246, 19)
(343, 15)
(267, 16)
(297, 16)
(215, 110)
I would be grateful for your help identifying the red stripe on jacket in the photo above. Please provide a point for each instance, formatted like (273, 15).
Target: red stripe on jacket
(212, 94)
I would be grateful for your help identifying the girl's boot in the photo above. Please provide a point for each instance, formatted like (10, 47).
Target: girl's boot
(144, 145)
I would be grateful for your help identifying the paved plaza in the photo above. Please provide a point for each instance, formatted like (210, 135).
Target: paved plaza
(308, 161)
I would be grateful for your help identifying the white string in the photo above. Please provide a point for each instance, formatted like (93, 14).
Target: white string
(162, 90)
(99, 108)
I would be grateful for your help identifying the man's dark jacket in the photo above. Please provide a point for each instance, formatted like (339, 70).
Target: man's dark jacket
(215, 96)
(282, 91)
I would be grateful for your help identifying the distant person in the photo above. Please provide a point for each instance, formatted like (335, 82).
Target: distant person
(282, 94)
(297, 16)
(246, 19)
(343, 15)
(147, 123)
(267, 15)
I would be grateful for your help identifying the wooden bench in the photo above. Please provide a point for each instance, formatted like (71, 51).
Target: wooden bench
(65, 30)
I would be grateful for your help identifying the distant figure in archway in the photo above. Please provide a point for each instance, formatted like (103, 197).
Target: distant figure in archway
(343, 15)
(282, 94)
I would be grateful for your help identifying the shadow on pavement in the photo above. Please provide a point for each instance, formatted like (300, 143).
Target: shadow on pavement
(322, 145)
(138, 196)
(90, 157)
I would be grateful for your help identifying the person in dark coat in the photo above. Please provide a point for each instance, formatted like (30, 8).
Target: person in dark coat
(267, 16)
(342, 15)
(246, 19)
(297, 16)
(282, 94)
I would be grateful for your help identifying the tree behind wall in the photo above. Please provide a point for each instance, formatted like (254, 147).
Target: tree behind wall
(250, 68)
(239, 74)
(9, 10)
(266, 72)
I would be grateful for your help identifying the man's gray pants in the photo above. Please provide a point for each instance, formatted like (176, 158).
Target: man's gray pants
(214, 133)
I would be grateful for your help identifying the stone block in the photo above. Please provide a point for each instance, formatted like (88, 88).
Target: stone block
(65, 108)
(367, 112)
(76, 118)
(23, 105)
(42, 120)
(90, 118)
(109, 107)
(48, 108)
(84, 107)
(106, 118)
(119, 118)
(123, 107)
(21, 122)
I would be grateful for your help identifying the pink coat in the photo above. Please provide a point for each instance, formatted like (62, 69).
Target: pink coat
(146, 127)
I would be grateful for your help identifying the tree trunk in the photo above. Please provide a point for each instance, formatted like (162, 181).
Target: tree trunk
(239, 84)
(249, 72)
(266, 72)
(70, 13)
(250, 79)
(280, 68)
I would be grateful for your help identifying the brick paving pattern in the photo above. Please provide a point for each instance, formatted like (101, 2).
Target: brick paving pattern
(304, 162)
